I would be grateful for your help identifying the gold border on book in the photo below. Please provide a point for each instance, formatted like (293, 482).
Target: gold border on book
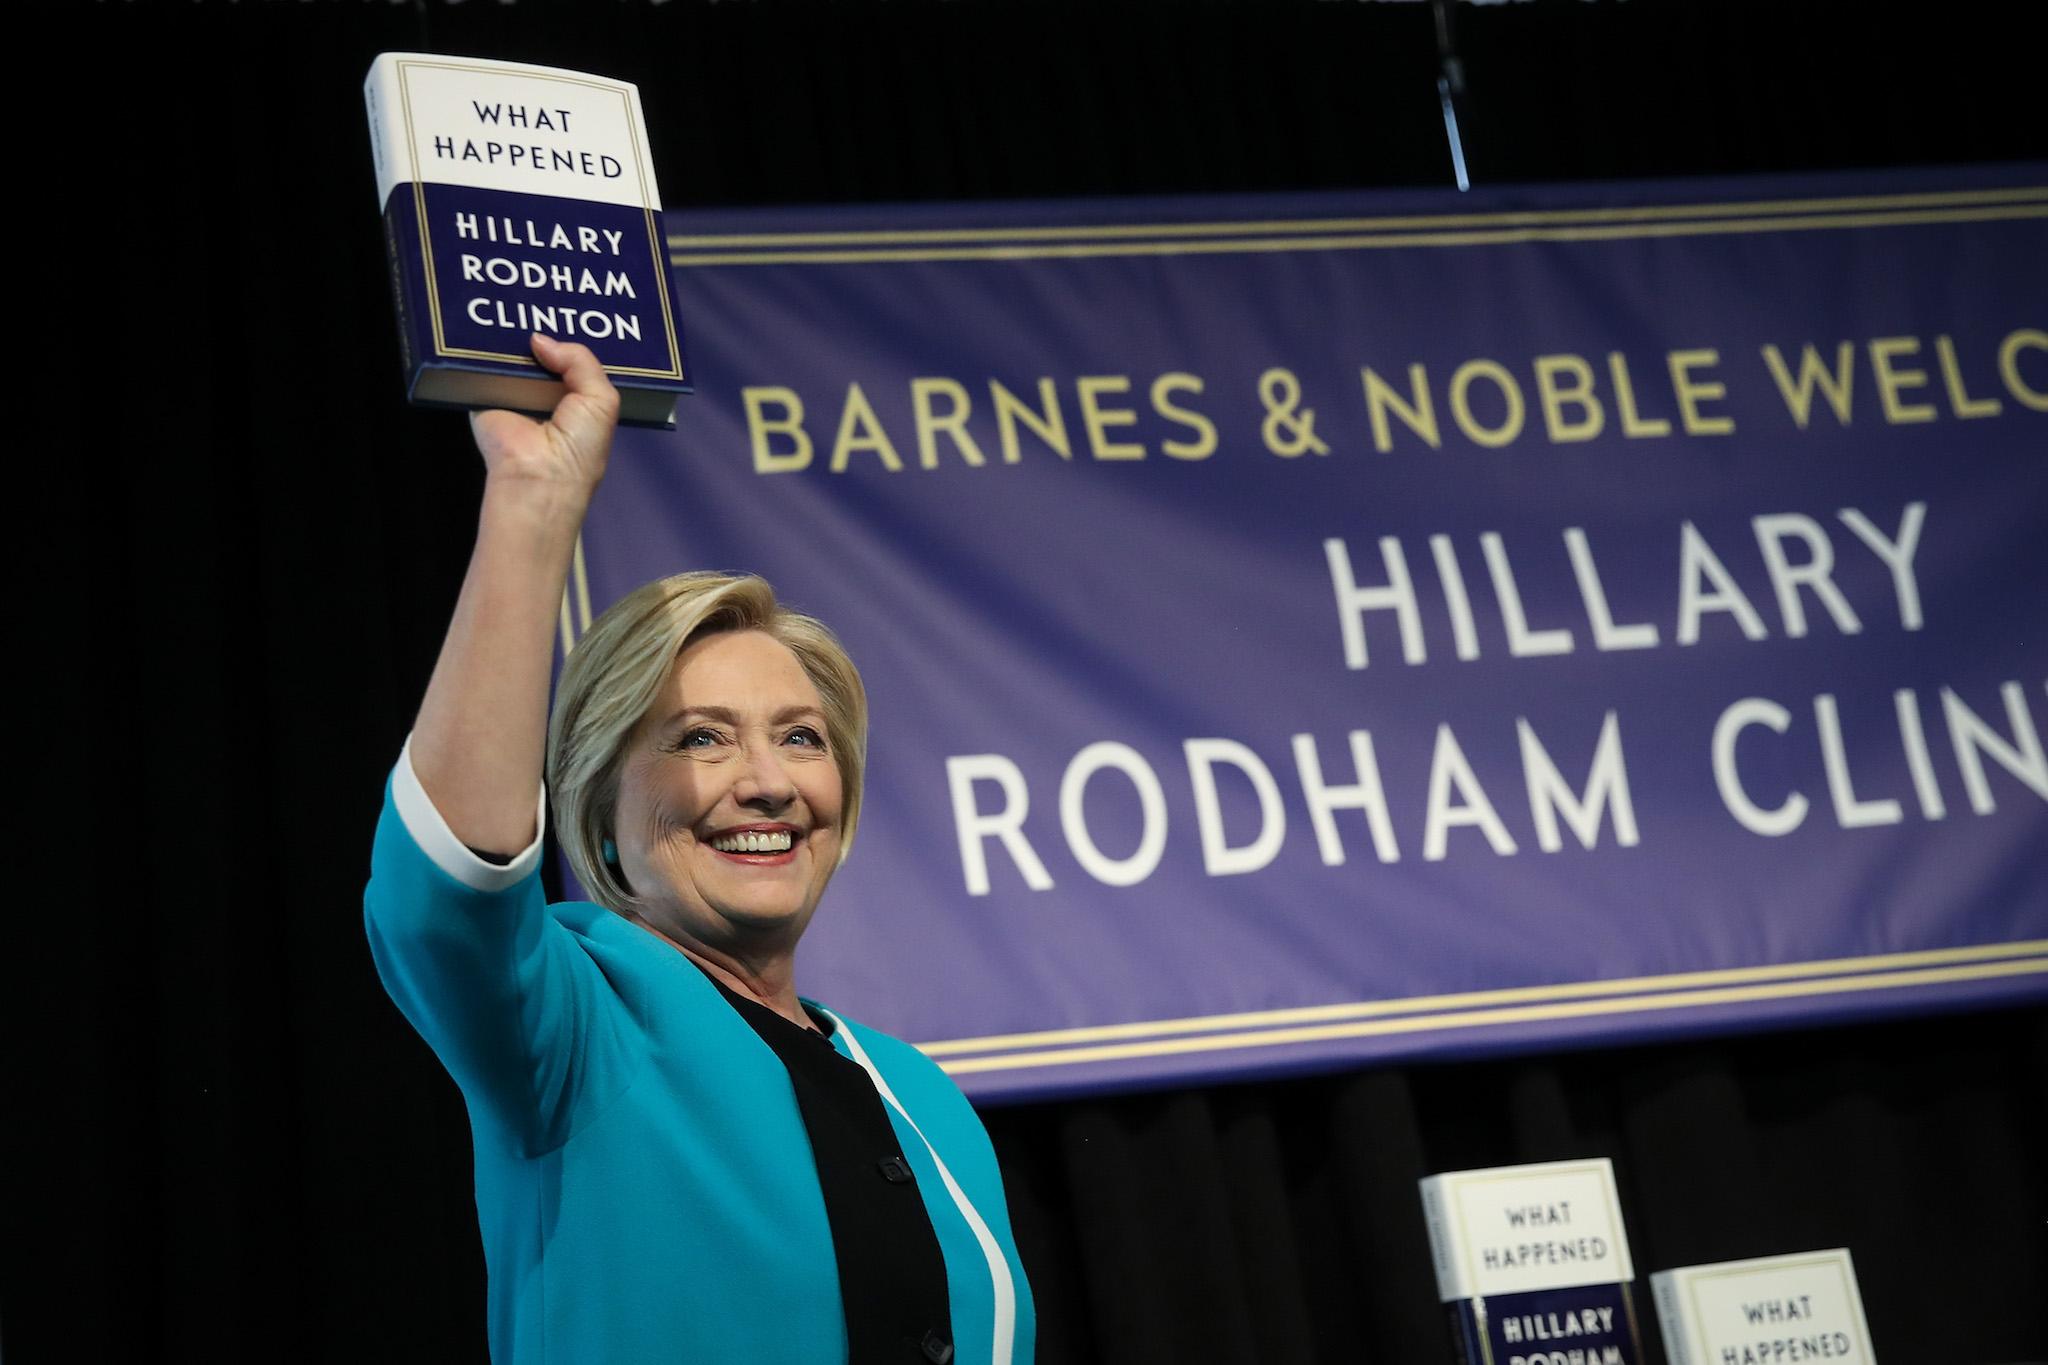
(1196, 239)
(654, 242)
(1417, 1015)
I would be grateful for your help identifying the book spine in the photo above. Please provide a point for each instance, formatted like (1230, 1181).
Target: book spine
(383, 101)
(389, 151)
(1671, 1319)
(394, 253)
(1443, 1248)
(1468, 1331)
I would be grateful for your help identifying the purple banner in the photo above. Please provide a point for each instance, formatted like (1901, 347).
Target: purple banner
(1311, 630)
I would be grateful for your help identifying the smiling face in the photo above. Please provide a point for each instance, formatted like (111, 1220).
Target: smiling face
(729, 804)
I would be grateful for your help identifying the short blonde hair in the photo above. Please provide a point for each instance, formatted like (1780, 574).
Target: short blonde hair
(615, 672)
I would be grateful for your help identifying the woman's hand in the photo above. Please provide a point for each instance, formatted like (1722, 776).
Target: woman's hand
(573, 445)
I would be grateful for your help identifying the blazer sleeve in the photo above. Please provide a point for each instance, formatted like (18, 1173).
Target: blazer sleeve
(506, 996)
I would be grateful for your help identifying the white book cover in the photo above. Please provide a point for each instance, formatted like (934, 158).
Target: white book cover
(1764, 1311)
(1511, 1229)
(507, 126)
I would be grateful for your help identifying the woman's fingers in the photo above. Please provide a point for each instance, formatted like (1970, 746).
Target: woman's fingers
(575, 441)
(588, 411)
(578, 367)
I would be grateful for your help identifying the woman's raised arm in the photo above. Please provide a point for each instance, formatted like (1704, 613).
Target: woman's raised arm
(478, 745)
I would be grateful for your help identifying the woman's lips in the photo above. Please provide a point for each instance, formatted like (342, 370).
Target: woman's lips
(759, 859)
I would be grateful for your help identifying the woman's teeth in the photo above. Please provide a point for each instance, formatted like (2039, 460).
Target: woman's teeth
(776, 841)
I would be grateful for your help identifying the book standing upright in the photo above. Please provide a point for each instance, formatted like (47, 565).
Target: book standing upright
(1533, 1265)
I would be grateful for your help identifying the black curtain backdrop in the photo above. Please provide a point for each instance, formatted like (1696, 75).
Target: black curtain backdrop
(239, 550)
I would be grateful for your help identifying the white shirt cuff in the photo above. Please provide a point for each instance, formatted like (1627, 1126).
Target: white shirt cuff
(424, 823)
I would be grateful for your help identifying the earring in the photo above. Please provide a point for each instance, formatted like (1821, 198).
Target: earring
(611, 854)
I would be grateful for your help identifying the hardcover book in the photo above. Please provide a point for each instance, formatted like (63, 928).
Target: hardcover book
(1532, 1264)
(521, 199)
(1762, 1311)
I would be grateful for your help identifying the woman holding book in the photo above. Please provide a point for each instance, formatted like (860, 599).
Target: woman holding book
(677, 1157)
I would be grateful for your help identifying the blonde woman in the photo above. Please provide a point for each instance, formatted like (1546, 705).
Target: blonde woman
(678, 1158)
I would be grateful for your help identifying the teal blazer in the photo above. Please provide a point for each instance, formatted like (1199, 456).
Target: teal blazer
(644, 1182)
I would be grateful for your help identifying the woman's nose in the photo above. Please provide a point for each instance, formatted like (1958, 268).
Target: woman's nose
(763, 780)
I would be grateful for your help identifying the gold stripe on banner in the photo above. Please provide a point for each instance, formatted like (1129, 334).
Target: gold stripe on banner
(1371, 242)
(1273, 226)
(1732, 995)
(1422, 1004)
(576, 592)
(581, 579)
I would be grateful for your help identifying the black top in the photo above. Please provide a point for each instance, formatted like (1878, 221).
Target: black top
(892, 1276)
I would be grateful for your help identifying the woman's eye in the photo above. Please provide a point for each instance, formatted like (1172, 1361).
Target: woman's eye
(805, 736)
(699, 738)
